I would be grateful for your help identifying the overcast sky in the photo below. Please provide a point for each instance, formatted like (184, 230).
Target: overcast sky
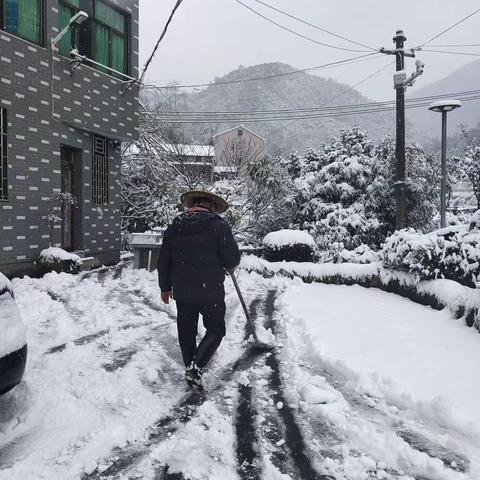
(209, 38)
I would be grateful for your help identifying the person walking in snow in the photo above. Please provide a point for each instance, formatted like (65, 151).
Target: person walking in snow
(198, 249)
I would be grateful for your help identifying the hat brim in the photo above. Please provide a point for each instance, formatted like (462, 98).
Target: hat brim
(221, 206)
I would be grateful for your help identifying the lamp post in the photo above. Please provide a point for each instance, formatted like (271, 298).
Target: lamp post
(443, 107)
(75, 21)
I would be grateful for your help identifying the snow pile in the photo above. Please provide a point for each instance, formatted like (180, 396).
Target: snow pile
(214, 460)
(54, 254)
(452, 253)
(13, 336)
(5, 283)
(284, 238)
(58, 260)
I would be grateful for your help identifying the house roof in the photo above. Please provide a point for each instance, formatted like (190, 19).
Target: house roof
(238, 127)
(184, 150)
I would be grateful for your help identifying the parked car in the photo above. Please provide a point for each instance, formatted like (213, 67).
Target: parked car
(13, 342)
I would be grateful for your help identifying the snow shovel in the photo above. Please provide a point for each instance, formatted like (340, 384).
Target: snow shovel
(257, 343)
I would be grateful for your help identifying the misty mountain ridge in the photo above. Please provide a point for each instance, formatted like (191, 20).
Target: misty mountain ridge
(298, 90)
(464, 79)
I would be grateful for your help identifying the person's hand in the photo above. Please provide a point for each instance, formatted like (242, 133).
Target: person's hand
(230, 270)
(166, 296)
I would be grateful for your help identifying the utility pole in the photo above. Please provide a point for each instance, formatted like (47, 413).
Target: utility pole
(400, 84)
(401, 207)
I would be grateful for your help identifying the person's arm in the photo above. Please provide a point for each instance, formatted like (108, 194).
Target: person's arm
(164, 267)
(227, 247)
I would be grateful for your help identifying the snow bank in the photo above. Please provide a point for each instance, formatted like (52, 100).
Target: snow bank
(388, 341)
(13, 335)
(313, 271)
(283, 238)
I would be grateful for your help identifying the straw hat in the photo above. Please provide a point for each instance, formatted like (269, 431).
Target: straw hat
(188, 199)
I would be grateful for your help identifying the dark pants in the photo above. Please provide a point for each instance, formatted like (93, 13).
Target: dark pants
(213, 315)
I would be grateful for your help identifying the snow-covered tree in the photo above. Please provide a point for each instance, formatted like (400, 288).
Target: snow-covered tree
(469, 160)
(260, 196)
(422, 187)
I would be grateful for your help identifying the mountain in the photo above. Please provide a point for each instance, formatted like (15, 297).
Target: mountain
(299, 90)
(461, 80)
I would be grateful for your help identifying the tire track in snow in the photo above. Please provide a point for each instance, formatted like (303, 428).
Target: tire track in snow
(249, 463)
(298, 452)
(125, 458)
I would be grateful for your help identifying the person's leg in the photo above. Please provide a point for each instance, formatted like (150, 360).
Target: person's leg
(187, 323)
(214, 320)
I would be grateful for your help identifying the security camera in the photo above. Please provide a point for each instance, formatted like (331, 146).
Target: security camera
(78, 18)
(420, 65)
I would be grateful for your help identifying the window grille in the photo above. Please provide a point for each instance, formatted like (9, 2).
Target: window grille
(3, 155)
(100, 171)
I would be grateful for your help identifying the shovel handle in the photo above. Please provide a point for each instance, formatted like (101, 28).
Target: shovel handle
(244, 305)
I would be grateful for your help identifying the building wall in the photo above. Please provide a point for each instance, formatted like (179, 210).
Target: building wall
(48, 107)
(229, 145)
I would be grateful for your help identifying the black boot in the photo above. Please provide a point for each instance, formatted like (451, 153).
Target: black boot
(193, 376)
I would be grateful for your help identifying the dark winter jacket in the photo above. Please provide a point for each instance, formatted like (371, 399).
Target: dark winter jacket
(197, 248)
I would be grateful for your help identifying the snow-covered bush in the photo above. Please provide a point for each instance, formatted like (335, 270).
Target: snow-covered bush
(289, 245)
(362, 254)
(55, 259)
(452, 253)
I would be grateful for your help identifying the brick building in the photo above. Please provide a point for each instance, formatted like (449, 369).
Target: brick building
(63, 115)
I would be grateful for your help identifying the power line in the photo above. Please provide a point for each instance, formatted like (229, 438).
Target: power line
(294, 32)
(306, 117)
(341, 93)
(450, 28)
(323, 107)
(468, 54)
(456, 45)
(315, 26)
(387, 106)
(347, 61)
(149, 61)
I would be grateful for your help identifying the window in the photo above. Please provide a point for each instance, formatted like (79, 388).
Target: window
(66, 10)
(100, 171)
(104, 38)
(110, 37)
(3, 155)
(23, 18)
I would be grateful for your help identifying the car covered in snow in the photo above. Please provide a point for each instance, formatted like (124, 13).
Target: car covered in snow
(13, 342)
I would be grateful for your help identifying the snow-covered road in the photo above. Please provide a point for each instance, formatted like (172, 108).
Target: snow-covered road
(103, 395)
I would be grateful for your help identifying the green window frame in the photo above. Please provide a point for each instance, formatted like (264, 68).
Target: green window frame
(110, 28)
(66, 10)
(100, 182)
(24, 19)
(3, 156)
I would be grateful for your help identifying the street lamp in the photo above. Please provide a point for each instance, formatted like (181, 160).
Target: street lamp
(75, 21)
(443, 107)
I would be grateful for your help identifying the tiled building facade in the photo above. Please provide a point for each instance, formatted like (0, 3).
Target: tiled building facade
(61, 128)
